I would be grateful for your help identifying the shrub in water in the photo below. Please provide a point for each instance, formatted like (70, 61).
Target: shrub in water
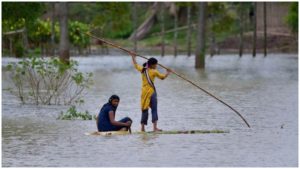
(73, 114)
(48, 81)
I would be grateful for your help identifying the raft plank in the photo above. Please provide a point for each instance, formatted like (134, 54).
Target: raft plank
(186, 132)
(109, 133)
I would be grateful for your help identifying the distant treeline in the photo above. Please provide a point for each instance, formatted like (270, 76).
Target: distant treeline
(36, 29)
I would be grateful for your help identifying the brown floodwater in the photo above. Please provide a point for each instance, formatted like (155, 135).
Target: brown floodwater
(263, 90)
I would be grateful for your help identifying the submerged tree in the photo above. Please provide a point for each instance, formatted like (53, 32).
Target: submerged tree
(241, 24)
(64, 52)
(52, 29)
(175, 29)
(189, 30)
(265, 27)
(162, 15)
(134, 18)
(254, 29)
(200, 49)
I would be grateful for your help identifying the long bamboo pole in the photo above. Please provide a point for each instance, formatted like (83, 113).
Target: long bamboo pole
(131, 52)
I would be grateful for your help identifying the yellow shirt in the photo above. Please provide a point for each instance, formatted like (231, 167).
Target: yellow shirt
(147, 89)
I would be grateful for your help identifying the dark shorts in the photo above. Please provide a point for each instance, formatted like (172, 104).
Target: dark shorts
(115, 128)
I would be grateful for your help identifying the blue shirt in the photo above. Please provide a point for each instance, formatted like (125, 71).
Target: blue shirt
(104, 123)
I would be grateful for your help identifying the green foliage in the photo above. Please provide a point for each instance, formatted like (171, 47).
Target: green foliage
(184, 4)
(48, 81)
(76, 34)
(36, 52)
(73, 114)
(114, 19)
(8, 25)
(221, 20)
(19, 14)
(41, 31)
(83, 12)
(292, 17)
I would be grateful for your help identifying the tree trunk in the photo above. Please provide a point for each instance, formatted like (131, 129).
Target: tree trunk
(200, 49)
(162, 13)
(212, 38)
(189, 31)
(64, 52)
(134, 25)
(145, 27)
(265, 29)
(10, 46)
(52, 29)
(241, 29)
(42, 50)
(176, 32)
(254, 30)
(212, 44)
(25, 40)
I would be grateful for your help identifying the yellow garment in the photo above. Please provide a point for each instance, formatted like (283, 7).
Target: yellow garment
(147, 89)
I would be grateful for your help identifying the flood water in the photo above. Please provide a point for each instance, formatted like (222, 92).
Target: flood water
(263, 90)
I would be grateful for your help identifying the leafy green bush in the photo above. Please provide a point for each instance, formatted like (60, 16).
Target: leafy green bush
(37, 51)
(42, 32)
(292, 17)
(73, 114)
(76, 34)
(48, 81)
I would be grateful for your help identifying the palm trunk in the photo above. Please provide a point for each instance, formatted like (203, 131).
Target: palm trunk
(212, 44)
(212, 39)
(135, 25)
(200, 50)
(10, 46)
(162, 29)
(52, 29)
(254, 31)
(265, 29)
(25, 40)
(241, 30)
(64, 52)
(189, 30)
(175, 32)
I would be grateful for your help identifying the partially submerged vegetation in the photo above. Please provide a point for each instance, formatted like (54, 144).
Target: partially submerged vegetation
(73, 114)
(48, 81)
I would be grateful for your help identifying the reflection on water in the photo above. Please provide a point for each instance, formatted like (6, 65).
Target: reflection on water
(264, 90)
(146, 138)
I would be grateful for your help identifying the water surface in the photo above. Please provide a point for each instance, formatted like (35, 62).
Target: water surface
(264, 90)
